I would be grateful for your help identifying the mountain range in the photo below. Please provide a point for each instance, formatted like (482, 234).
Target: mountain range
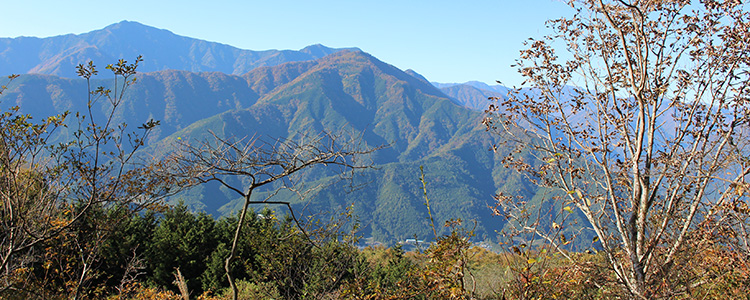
(161, 50)
(194, 87)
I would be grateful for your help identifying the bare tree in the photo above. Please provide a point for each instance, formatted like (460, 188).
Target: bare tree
(260, 163)
(643, 127)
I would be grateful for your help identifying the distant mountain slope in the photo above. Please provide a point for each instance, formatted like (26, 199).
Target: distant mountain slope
(161, 50)
(175, 98)
(471, 96)
(477, 84)
(353, 90)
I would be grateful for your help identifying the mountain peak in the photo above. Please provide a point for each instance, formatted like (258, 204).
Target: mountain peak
(316, 49)
(319, 50)
(131, 26)
(125, 24)
(348, 75)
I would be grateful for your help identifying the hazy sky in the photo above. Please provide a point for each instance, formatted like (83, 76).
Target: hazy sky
(446, 41)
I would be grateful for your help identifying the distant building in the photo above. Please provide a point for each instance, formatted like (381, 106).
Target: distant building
(411, 242)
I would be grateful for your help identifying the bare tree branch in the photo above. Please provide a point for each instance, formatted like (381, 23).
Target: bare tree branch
(262, 163)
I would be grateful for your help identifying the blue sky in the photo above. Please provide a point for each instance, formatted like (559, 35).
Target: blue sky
(446, 41)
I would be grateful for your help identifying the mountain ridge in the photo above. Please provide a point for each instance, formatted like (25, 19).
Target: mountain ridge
(161, 49)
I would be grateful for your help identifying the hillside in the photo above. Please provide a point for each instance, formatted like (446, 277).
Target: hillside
(175, 98)
(354, 91)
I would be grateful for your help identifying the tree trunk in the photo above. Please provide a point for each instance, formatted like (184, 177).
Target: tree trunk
(230, 258)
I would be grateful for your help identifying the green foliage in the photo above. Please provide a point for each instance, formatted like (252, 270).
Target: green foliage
(181, 240)
(397, 267)
(122, 254)
(273, 254)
